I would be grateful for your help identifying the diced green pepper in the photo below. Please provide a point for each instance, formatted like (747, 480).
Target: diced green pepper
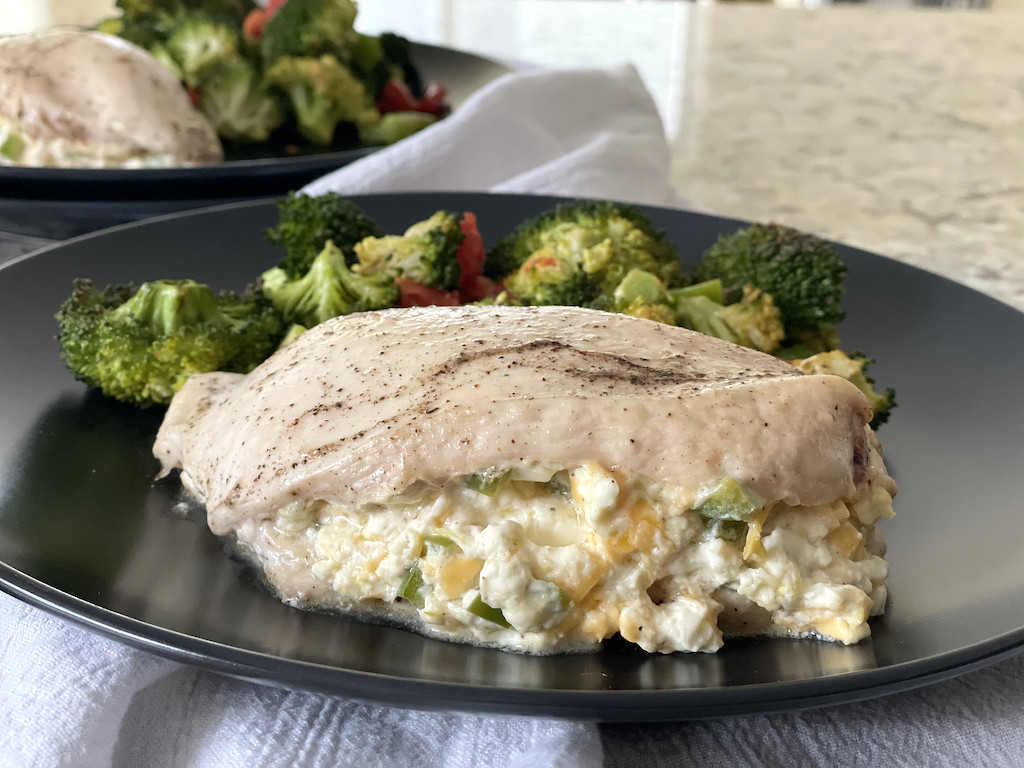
(12, 147)
(729, 500)
(487, 612)
(395, 126)
(640, 284)
(487, 483)
(411, 586)
(441, 541)
(727, 530)
(711, 289)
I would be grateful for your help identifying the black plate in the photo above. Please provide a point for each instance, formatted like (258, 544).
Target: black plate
(84, 534)
(58, 203)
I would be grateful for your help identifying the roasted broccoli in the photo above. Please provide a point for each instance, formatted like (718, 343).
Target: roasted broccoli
(549, 278)
(307, 222)
(327, 290)
(754, 321)
(323, 93)
(310, 28)
(852, 368)
(394, 126)
(398, 58)
(803, 273)
(141, 346)
(642, 294)
(603, 239)
(426, 253)
(238, 104)
(196, 43)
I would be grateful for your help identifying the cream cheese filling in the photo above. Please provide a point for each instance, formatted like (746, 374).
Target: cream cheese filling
(545, 559)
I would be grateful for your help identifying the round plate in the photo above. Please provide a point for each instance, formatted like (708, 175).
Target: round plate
(58, 203)
(85, 533)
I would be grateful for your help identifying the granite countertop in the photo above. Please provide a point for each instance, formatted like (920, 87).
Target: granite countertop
(901, 132)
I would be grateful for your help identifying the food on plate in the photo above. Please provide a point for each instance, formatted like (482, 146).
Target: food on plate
(541, 478)
(73, 98)
(295, 73)
(328, 289)
(802, 272)
(306, 223)
(596, 254)
(142, 345)
(852, 368)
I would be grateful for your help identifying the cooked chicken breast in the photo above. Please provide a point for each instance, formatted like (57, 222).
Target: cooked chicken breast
(75, 98)
(542, 478)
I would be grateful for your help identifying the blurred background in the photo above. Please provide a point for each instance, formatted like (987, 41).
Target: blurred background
(893, 125)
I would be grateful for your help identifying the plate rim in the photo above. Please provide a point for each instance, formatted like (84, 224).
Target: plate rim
(605, 705)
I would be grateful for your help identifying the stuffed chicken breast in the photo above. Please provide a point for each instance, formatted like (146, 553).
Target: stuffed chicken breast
(540, 479)
(72, 98)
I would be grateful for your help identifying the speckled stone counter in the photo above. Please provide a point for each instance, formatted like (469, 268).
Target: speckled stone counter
(899, 131)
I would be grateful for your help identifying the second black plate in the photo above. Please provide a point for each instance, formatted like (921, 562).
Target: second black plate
(58, 203)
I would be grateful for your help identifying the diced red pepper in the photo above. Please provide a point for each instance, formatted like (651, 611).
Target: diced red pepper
(480, 288)
(254, 22)
(540, 261)
(433, 100)
(257, 18)
(414, 294)
(473, 286)
(471, 253)
(396, 97)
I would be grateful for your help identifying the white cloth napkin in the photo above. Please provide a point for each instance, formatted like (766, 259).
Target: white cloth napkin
(578, 133)
(69, 697)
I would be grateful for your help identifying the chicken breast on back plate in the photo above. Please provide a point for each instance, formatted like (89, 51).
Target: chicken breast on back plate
(74, 98)
(542, 478)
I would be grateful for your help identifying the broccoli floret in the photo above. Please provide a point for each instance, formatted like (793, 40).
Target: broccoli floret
(605, 240)
(803, 273)
(398, 58)
(145, 31)
(394, 126)
(310, 28)
(852, 367)
(642, 294)
(307, 222)
(427, 252)
(238, 104)
(140, 346)
(754, 321)
(323, 93)
(197, 42)
(804, 343)
(327, 290)
(547, 278)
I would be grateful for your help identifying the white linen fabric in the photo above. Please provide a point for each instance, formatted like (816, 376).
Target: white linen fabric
(70, 698)
(973, 720)
(578, 133)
